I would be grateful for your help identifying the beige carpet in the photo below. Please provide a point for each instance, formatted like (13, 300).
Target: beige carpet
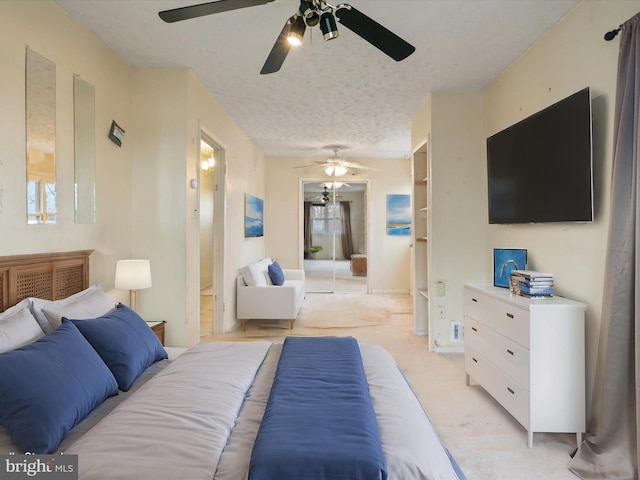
(484, 439)
(331, 311)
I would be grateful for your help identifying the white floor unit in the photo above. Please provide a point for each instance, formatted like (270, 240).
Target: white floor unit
(529, 355)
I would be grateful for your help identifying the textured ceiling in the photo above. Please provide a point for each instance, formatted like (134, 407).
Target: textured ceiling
(344, 91)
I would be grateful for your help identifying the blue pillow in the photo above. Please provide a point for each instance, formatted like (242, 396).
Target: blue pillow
(276, 274)
(124, 341)
(49, 386)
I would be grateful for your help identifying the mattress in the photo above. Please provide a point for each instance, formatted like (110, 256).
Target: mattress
(197, 417)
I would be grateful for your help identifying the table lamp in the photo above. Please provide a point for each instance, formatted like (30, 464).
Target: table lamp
(133, 275)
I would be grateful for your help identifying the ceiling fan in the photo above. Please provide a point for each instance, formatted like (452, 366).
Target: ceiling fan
(309, 14)
(336, 167)
(324, 197)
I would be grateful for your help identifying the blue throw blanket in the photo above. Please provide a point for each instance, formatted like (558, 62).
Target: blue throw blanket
(319, 422)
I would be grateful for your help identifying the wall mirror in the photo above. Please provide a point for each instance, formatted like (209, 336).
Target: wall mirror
(40, 95)
(84, 121)
(335, 236)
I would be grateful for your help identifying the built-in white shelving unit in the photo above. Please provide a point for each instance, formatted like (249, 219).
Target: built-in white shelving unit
(420, 255)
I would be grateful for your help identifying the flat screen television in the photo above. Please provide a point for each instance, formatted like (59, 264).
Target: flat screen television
(540, 169)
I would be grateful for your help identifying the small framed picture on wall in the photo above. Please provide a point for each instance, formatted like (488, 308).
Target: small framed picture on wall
(116, 134)
(398, 214)
(253, 216)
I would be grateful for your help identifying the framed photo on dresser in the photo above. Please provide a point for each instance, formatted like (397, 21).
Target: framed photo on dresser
(504, 261)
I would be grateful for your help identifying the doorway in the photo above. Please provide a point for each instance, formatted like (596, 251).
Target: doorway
(211, 232)
(334, 236)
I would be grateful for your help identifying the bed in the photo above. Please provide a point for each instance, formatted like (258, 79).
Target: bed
(135, 409)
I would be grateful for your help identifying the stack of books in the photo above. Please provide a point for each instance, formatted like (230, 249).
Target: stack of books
(532, 284)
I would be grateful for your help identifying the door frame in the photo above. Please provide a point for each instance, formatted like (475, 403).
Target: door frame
(219, 226)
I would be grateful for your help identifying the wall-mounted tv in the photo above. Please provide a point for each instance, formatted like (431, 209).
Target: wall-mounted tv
(540, 169)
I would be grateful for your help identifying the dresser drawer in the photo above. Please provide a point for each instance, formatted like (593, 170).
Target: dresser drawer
(504, 318)
(513, 397)
(510, 357)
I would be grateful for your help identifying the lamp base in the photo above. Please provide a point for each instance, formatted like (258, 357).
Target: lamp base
(133, 299)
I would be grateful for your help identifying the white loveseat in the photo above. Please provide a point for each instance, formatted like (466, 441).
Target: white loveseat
(258, 298)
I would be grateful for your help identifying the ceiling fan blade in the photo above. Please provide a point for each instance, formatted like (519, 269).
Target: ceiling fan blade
(373, 32)
(194, 11)
(356, 165)
(280, 50)
(313, 165)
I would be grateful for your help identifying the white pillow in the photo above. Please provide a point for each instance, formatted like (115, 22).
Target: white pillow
(89, 303)
(256, 274)
(18, 327)
(248, 277)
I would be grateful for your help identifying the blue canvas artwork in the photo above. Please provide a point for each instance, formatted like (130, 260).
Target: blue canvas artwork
(504, 261)
(398, 214)
(253, 216)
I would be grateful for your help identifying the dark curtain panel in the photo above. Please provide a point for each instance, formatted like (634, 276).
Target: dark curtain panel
(610, 449)
(346, 238)
(307, 225)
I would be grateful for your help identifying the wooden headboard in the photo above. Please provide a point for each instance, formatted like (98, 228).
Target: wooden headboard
(51, 276)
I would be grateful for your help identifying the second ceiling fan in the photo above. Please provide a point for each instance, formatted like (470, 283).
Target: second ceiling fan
(336, 167)
(310, 13)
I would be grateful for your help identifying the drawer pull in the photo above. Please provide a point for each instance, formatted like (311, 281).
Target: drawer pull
(474, 359)
(511, 391)
(474, 329)
(510, 315)
(474, 299)
(510, 352)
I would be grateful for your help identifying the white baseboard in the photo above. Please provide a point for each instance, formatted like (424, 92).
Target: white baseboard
(390, 292)
(450, 349)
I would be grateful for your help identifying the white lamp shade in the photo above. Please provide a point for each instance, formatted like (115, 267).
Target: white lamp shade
(133, 274)
(335, 170)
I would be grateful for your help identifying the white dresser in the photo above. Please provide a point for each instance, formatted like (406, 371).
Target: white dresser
(529, 355)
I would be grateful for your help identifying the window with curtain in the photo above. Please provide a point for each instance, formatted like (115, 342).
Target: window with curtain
(326, 219)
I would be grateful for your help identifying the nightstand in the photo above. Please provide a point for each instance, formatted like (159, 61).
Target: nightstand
(158, 329)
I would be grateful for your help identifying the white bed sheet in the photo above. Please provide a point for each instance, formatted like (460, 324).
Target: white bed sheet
(411, 446)
(154, 436)
(176, 426)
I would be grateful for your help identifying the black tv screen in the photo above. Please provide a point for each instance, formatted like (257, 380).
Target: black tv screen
(540, 169)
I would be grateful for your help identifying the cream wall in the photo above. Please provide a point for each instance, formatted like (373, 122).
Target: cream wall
(145, 207)
(452, 123)
(159, 207)
(387, 257)
(171, 108)
(47, 30)
(245, 173)
(572, 56)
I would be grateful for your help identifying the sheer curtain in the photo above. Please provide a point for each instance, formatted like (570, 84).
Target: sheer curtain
(610, 449)
(346, 237)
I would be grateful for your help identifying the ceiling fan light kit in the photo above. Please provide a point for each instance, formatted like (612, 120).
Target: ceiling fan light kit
(336, 167)
(311, 16)
(296, 32)
(310, 13)
(328, 26)
(335, 170)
